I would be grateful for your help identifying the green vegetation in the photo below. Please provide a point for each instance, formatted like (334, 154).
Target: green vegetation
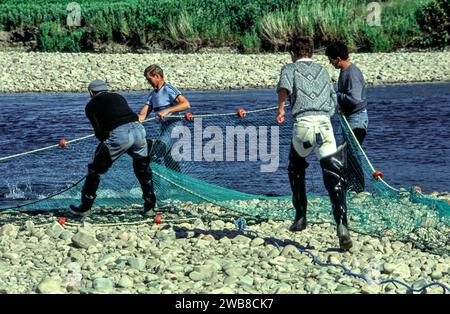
(53, 37)
(434, 20)
(250, 25)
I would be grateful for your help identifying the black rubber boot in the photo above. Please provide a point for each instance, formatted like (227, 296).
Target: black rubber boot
(84, 208)
(144, 175)
(332, 167)
(299, 200)
(88, 194)
(296, 171)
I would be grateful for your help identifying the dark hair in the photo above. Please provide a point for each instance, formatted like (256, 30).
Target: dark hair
(337, 49)
(302, 46)
(153, 70)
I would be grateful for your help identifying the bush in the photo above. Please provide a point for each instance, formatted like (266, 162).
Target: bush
(54, 37)
(251, 42)
(372, 39)
(434, 22)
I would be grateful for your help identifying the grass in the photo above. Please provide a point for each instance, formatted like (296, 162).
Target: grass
(276, 29)
(250, 25)
(346, 20)
(182, 34)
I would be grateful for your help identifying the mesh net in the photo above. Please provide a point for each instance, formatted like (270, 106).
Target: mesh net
(239, 164)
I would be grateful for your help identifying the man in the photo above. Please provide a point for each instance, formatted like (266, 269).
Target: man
(165, 100)
(309, 88)
(351, 95)
(119, 131)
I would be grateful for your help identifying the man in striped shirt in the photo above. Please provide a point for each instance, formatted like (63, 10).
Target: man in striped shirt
(165, 99)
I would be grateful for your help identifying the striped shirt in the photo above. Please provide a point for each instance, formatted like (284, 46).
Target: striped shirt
(164, 97)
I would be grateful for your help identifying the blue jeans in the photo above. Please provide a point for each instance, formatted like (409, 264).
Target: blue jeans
(162, 147)
(359, 120)
(127, 138)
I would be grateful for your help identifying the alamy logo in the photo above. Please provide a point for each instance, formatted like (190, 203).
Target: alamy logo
(74, 16)
(74, 277)
(372, 273)
(374, 16)
(213, 143)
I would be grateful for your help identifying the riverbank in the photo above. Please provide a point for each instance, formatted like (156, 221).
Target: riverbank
(72, 72)
(193, 255)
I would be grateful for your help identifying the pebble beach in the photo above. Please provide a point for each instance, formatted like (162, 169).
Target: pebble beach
(107, 254)
(39, 254)
(72, 72)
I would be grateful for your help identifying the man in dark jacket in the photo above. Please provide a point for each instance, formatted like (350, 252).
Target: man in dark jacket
(352, 101)
(119, 131)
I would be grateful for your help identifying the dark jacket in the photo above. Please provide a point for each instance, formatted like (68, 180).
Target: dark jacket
(106, 111)
(351, 93)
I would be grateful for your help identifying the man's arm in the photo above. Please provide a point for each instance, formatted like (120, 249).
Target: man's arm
(145, 111)
(182, 104)
(282, 96)
(333, 98)
(284, 89)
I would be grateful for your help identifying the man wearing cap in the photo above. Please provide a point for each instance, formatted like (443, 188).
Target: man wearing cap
(119, 131)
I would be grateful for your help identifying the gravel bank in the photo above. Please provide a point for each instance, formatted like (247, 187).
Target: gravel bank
(38, 255)
(59, 72)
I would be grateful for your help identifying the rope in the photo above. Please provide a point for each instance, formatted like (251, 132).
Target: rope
(147, 120)
(241, 226)
(130, 223)
(8, 210)
(232, 113)
(44, 148)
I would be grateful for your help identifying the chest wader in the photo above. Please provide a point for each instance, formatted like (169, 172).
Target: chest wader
(333, 178)
(141, 167)
(102, 162)
(296, 171)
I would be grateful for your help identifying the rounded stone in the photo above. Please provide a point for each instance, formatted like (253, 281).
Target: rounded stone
(125, 282)
(388, 268)
(103, 285)
(436, 275)
(49, 286)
